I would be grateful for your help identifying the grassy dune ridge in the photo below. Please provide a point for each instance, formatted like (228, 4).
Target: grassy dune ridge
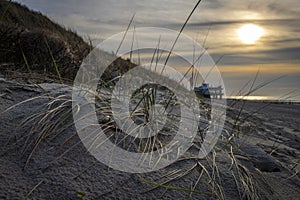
(31, 43)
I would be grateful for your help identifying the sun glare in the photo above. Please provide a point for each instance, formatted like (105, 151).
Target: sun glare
(250, 33)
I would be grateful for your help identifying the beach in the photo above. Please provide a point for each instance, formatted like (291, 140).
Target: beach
(258, 159)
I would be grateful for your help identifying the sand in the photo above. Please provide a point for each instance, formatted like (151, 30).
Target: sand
(260, 162)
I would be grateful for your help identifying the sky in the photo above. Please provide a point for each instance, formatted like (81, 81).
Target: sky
(215, 24)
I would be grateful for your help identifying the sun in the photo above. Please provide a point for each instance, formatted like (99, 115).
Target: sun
(250, 33)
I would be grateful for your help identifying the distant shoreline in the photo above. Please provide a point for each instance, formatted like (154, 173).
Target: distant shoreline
(274, 101)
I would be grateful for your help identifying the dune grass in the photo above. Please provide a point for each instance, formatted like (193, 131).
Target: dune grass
(5, 10)
(54, 62)
(57, 117)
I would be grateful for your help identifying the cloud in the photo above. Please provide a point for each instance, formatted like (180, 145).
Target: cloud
(272, 57)
(165, 12)
(281, 19)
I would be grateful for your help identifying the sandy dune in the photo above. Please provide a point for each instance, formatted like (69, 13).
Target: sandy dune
(261, 161)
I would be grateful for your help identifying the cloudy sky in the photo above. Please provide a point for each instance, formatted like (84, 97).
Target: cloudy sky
(275, 53)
